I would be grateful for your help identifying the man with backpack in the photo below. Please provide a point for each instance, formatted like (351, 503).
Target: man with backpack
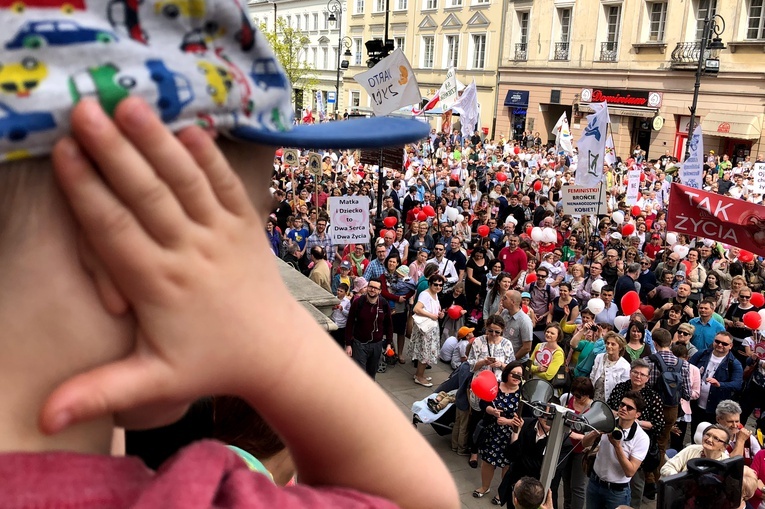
(542, 295)
(670, 378)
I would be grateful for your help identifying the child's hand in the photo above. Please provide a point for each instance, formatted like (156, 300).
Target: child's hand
(181, 245)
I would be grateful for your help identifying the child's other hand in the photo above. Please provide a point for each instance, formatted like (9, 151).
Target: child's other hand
(182, 246)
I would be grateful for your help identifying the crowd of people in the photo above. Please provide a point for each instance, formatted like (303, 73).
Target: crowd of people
(483, 270)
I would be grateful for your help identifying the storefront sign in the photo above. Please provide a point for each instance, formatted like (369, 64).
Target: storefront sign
(641, 98)
(698, 213)
(758, 176)
(517, 98)
(684, 122)
(580, 200)
(349, 216)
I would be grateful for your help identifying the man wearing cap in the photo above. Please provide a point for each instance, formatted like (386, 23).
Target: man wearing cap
(454, 351)
(322, 239)
(518, 327)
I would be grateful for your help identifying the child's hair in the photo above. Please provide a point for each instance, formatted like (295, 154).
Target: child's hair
(344, 287)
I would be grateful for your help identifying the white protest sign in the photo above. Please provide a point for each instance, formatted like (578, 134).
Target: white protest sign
(692, 169)
(581, 200)
(758, 178)
(349, 216)
(448, 92)
(390, 84)
(633, 187)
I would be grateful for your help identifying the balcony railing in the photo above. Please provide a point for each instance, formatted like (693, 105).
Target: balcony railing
(686, 55)
(561, 51)
(521, 51)
(609, 51)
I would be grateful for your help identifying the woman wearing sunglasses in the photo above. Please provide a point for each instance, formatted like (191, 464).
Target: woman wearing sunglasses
(713, 443)
(424, 345)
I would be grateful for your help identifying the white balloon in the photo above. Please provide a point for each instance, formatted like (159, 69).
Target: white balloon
(596, 305)
(550, 235)
(680, 250)
(511, 219)
(452, 213)
(709, 242)
(537, 235)
(762, 315)
(671, 239)
(598, 285)
(621, 322)
(618, 217)
(460, 218)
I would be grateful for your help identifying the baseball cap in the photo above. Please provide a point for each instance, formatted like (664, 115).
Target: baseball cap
(345, 264)
(464, 331)
(525, 295)
(201, 62)
(403, 271)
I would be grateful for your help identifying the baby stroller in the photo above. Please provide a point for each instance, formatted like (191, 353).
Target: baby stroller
(442, 420)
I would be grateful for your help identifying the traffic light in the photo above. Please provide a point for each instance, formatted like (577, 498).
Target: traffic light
(377, 50)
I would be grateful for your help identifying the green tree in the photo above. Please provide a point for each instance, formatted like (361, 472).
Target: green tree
(289, 46)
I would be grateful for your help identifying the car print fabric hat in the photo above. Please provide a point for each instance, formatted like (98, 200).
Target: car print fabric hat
(195, 61)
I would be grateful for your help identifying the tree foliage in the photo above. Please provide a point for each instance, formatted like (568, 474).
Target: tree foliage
(291, 47)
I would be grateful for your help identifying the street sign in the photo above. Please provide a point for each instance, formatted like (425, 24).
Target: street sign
(314, 163)
(331, 98)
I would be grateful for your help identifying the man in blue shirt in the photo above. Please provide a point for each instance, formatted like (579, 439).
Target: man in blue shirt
(706, 327)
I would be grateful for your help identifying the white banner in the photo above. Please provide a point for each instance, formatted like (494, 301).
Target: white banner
(578, 200)
(320, 104)
(467, 107)
(391, 84)
(610, 151)
(349, 217)
(692, 169)
(758, 178)
(633, 187)
(448, 91)
(592, 147)
(563, 141)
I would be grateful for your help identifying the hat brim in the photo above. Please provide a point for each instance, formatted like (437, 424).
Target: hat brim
(375, 132)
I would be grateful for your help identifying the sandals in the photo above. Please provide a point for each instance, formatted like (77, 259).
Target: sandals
(479, 494)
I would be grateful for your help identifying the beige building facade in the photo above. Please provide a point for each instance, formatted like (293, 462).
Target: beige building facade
(434, 35)
(559, 55)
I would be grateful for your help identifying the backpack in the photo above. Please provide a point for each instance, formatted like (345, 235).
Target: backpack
(669, 384)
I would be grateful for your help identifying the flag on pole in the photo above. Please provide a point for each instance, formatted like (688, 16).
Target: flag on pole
(307, 116)
(448, 91)
(429, 106)
(563, 141)
(391, 84)
(592, 147)
(610, 151)
(692, 168)
(320, 104)
(467, 107)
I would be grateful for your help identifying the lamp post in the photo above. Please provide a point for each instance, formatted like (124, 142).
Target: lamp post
(335, 8)
(707, 61)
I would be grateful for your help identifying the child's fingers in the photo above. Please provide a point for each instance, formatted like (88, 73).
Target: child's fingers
(224, 182)
(111, 229)
(168, 158)
(128, 174)
(129, 383)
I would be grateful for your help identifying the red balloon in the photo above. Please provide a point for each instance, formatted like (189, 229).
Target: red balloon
(538, 185)
(390, 221)
(745, 256)
(517, 150)
(454, 312)
(635, 210)
(528, 230)
(483, 230)
(416, 210)
(753, 320)
(628, 229)
(383, 232)
(421, 216)
(429, 211)
(279, 152)
(642, 176)
(531, 278)
(648, 223)
(485, 386)
(757, 300)
(501, 176)
(525, 308)
(647, 311)
(630, 302)
(390, 352)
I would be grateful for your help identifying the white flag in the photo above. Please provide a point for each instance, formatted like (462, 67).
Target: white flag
(467, 107)
(320, 104)
(448, 91)
(391, 84)
(693, 168)
(610, 151)
(592, 147)
(562, 134)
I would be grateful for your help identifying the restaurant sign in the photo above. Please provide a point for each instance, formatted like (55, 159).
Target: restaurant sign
(641, 98)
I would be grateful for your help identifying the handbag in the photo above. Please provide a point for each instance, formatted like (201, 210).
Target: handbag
(425, 324)
(562, 379)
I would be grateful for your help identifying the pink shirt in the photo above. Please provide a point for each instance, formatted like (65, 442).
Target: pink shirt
(203, 475)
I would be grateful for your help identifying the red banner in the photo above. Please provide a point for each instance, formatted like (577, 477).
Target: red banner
(699, 213)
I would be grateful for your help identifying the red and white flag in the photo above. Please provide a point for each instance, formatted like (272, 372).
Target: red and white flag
(431, 104)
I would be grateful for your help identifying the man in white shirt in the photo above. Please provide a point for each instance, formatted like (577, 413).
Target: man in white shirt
(619, 458)
(446, 267)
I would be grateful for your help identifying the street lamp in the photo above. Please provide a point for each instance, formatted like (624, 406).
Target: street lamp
(335, 8)
(709, 50)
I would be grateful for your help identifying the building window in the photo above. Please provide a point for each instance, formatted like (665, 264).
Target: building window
(399, 42)
(704, 8)
(521, 47)
(314, 51)
(355, 99)
(428, 50)
(430, 4)
(379, 5)
(481, 1)
(306, 22)
(479, 51)
(455, 3)
(326, 20)
(523, 21)
(325, 58)
(562, 46)
(658, 17)
(359, 7)
(315, 21)
(401, 5)
(289, 21)
(609, 48)
(357, 52)
(756, 20)
(452, 51)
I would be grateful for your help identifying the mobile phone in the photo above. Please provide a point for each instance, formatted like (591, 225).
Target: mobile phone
(491, 359)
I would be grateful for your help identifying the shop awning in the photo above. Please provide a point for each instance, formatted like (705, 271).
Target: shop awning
(517, 98)
(744, 126)
(624, 112)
